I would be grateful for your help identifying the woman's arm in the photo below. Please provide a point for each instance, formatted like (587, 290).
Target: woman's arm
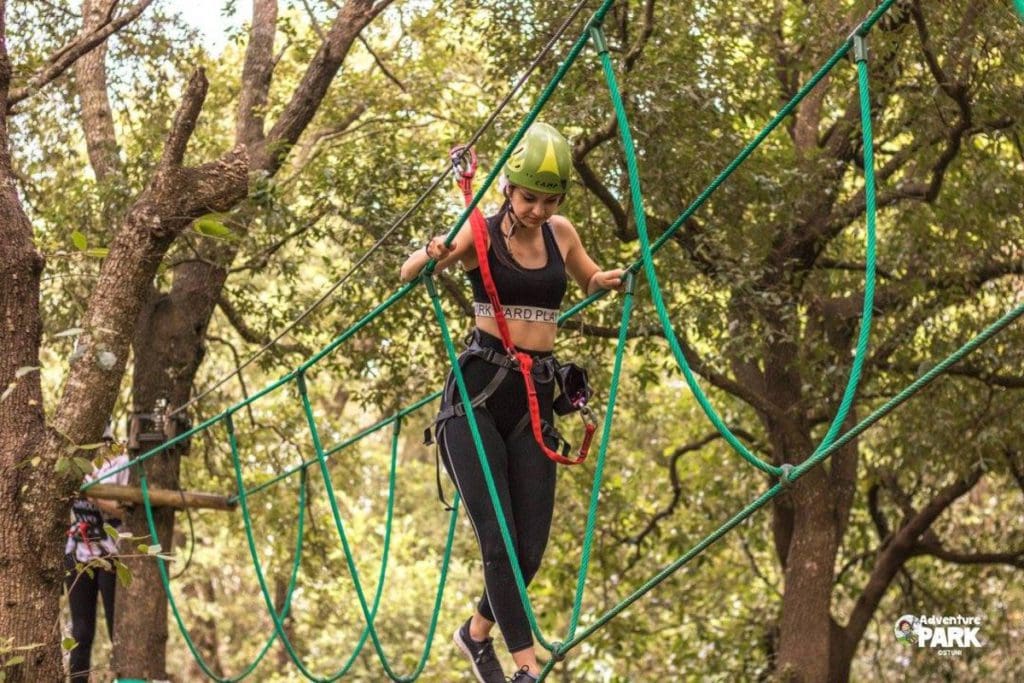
(109, 508)
(461, 248)
(578, 263)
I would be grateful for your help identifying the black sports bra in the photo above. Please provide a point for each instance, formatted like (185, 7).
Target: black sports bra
(542, 287)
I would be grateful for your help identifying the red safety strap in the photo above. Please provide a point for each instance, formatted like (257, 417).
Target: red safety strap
(465, 163)
(82, 529)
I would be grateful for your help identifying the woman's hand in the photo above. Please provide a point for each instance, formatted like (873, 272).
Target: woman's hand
(436, 248)
(607, 279)
(433, 250)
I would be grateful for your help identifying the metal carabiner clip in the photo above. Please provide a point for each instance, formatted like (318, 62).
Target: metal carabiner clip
(589, 429)
(464, 161)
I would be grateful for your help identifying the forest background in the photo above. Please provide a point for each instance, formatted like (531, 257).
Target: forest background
(318, 123)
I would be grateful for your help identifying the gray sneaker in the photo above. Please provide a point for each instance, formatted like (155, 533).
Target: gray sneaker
(523, 676)
(486, 666)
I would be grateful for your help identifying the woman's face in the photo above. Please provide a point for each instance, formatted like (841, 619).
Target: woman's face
(533, 208)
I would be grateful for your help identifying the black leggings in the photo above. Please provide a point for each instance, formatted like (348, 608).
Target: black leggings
(82, 593)
(524, 478)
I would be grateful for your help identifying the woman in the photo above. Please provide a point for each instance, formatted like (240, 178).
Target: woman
(87, 559)
(530, 250)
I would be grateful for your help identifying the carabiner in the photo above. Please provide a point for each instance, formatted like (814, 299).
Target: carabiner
(589, 429)
(464, 161)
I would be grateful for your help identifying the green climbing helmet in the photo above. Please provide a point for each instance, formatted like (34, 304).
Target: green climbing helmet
(541, 162)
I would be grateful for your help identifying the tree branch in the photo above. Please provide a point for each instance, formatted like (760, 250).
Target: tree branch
(238, 374)
(936, 550)
(237, 321)
(651, 527)
(971, 371)
(310, 92)
(620, 218)
(646, 31)
(893, 556)
(62, 60)
(185, 118)
(1016, 467)
(91, 84)
(260, 260)
(257, 72)
(381, 65)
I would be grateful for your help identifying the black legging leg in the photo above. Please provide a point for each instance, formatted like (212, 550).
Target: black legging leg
(83, 591)
(525, 482)
(107, 583)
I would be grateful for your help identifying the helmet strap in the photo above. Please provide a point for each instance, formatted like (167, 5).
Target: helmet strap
(511, 212)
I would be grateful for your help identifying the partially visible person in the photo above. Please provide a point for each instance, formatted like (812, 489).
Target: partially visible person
(87, 542)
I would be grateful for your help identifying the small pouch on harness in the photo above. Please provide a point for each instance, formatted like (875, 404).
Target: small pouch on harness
(575, 387)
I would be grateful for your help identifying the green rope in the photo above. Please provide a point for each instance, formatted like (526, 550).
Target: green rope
(344, 444)
(652, 278)
(606, 435)
(166, 582)
(353, 571)
(379, 590)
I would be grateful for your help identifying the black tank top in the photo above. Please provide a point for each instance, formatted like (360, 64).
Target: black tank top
(542, 287)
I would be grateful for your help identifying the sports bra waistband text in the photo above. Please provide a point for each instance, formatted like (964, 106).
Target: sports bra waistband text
(533, 314)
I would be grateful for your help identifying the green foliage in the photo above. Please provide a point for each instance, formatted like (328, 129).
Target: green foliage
(703, 85)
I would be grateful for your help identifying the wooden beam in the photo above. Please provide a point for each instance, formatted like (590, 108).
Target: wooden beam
(161, 497)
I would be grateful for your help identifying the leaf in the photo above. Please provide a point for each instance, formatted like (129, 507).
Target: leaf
(62, 465)
(111, 531)
(97, 252)
(154, 549)
(211, 225)
(142, 548)
(124, 575)
(79, 240)
(68, 644)
(14, 661)
(84, 465)
(70, 332)
(7, 392)
(22, 371)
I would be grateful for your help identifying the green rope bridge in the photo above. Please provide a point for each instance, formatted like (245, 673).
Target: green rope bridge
(784, 475)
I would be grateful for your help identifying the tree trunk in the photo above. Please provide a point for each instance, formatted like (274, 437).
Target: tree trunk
(30, 503)
(169, 343)
(804, 639)
(804, 523)
(168, 349)
(91, 86)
